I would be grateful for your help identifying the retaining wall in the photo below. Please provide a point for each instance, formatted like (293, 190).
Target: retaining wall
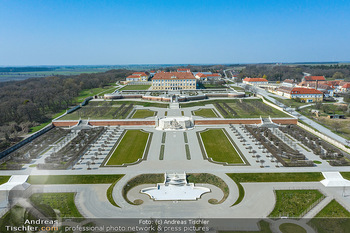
(121, 122)
(65, 123)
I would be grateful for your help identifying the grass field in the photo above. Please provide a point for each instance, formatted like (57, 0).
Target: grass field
(64, 202)
(333, 210)
(290, 102)
(130, 148)
(73, 179)
(219, 147)
(293, 203)
(233, 108)
(109, 193)
(277, 177)
(332, 218)
(208, 86)
(207, 178)
(135, 87)
(237, 88)
(100, 113)
(143, 113)
(4, 179)
(291, 228)
(205, 112)
(91, 92)
(138, 180)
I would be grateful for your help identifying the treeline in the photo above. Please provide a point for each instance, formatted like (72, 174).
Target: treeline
(329, 70)
(30, 102)
(282, 72)
(26, 69)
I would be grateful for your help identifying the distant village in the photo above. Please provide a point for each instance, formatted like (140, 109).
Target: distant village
(310, 89)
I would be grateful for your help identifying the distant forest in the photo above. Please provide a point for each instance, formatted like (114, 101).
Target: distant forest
(282, 72)
(27, 103)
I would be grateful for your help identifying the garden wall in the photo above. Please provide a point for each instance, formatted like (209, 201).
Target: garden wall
(121, 122)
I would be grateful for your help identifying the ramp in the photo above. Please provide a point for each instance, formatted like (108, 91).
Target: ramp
(334, 179)
(19, 182)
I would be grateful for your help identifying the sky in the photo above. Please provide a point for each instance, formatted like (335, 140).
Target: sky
(58, 32)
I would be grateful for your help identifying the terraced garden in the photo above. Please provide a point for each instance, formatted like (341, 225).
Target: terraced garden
(235, 108)
(100, 112)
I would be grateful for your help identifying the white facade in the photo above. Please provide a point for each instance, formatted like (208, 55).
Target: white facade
(175, 188)
(174, 123)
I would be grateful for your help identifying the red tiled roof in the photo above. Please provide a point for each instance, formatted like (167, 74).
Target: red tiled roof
(300, 90)
(200, 75)
(314, 78)
(133, 76)
(175, 75)
(346, 85)
(288, 81)
(140, 73)
(152, 71)
(183, 69)
(255, 80)
(214, 75)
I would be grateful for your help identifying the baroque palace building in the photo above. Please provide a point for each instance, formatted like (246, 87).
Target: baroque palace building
(174, 81)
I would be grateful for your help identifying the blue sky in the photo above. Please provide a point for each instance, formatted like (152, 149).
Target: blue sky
(166, 32)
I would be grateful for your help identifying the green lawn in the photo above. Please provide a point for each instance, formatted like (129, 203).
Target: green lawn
(237, 88)
(135, 87)
(138, 180)
(14, 217)
(64, 202)
(277, 177)
(219, 147)
(73, 179)
(4, 179)
(207, 178)
(333, 210)
(208, 86)
(290, 102)
(143, 113)
(109, 193)
(291, 228)
(205, 112)
(130, 148)
(294, 203)
(346, 175)
(332, 218)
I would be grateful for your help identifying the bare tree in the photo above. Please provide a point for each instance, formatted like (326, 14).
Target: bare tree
(88, 164)
(93, 159)
(262, 163)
